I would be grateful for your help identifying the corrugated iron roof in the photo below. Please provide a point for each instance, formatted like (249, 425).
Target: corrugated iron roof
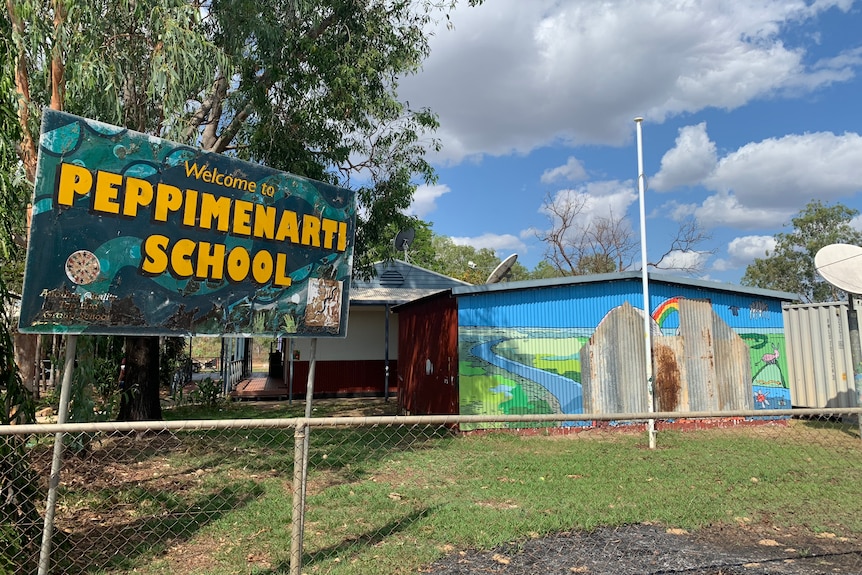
(621, 276)
(388, 295)
(403, 275)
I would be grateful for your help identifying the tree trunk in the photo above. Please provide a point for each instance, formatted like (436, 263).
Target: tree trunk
(140, 386)
(25, 357)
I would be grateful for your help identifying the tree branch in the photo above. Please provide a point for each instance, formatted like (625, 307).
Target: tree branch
(58, 67)
(27, 147)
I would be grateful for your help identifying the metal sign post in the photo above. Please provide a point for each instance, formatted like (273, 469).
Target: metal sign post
(57, 461)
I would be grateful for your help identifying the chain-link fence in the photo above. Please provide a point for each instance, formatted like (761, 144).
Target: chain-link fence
(388, 495)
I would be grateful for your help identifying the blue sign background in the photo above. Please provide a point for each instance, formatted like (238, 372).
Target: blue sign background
(133, 234)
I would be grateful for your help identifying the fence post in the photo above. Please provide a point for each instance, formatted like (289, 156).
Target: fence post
(297, 516)
(56, 462)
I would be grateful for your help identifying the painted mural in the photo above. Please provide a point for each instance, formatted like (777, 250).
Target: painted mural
(536, 369)
(770, 388)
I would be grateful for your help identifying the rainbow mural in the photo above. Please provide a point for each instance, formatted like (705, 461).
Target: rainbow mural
(665, 310)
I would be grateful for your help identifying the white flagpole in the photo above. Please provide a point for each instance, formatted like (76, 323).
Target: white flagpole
(645, 282)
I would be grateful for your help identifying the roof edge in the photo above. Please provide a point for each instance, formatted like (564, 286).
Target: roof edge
(624, 276)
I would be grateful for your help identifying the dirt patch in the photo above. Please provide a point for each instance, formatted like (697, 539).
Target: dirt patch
(651, 549)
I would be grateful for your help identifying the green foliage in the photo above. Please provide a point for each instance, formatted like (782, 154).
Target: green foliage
(14, 191)
(790, 266)
(94, 395)
(207, 392)
(18, 405)
(321, 79)
(18, 483)
(305, 87)
(544, 270)
(462, 262)
(174, 357)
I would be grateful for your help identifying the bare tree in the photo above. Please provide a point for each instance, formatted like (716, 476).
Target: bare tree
(577, 244)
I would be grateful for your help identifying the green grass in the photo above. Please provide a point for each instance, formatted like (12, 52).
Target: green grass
(388, 500)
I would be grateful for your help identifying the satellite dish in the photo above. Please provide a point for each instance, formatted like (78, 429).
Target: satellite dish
(403, 239)
(841, 265)
(502, 270)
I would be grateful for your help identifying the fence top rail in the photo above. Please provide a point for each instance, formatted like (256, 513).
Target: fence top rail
(343, 421)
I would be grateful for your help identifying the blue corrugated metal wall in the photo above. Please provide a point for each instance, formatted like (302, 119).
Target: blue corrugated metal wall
(518, 348)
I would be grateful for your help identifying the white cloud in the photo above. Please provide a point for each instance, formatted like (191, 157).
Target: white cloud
(692, 159)
(425, 200)
(571, 171)
(684, 260)
(597, 199)
(511, 75)
(497, 242)
(792, 169)
(742, 251)
(762, 183)
(724, 209)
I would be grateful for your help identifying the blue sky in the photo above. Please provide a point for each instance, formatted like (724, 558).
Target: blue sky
(751, 110)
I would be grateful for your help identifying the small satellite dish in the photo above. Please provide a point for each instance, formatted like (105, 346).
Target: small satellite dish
(841, 266)
(403, 239)
(502, 270)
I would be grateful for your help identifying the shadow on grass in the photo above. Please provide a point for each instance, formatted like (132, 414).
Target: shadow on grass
(94, 546)
(310, 561)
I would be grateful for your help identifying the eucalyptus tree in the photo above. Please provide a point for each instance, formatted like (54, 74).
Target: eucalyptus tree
(13, 191)
(306, 87)
(789, 266)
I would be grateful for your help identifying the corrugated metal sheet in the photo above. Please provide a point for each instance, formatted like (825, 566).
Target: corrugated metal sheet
(819, 358)
(718, 371)
(704, 368)
(613, 364)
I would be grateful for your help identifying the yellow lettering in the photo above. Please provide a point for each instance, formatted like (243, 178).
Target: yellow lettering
(181, 258)
(264, 221)
(193, 171)
(215, 208)
(242, 217)
(190, 210)
(73, 180)
(288, 228)
(138, 193)
(107, 190)
(237, 264)
(210, 261)
(261, 267)
(281, 278)
(311, 231)
(342, 236)
(155, 257)
(168, 199)
(330, 227)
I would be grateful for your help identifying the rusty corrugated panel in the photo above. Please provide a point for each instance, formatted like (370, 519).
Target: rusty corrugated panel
(819, 361)
(669, 374)
(614, 376)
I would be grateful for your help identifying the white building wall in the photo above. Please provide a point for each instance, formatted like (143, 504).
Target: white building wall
(366, 338)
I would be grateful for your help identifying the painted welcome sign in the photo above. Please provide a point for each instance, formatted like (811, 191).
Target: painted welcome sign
(133, 234)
